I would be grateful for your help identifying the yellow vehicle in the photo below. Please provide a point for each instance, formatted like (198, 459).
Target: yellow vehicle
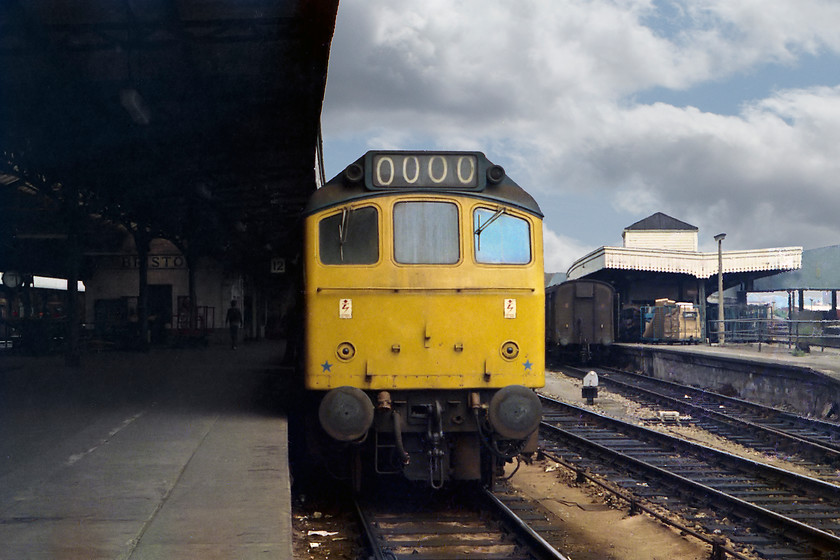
(424, 334)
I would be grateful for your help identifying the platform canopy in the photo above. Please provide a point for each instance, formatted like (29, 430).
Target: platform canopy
(820, 271)
(642, 276)
(761, 262)
(660, 256)
(194, 116)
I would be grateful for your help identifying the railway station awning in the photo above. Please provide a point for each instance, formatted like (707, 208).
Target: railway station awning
(697, 264)
(695, 271)
(138, 103)
(660, 246)
(820, 270)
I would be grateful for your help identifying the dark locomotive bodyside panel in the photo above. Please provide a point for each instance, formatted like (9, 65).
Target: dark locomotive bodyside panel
(580, 319)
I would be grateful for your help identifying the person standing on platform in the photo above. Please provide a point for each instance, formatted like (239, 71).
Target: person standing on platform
(234, 319)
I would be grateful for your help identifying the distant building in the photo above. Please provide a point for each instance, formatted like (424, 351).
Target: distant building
(661, 231)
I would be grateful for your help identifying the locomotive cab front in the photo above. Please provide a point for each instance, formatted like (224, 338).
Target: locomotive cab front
(424, 336)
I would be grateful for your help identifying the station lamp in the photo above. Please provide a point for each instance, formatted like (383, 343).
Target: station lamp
(721, 329)
(12, 279)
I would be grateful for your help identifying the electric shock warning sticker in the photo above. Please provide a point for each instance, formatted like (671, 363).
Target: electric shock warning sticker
(345, 308)
(510, 309)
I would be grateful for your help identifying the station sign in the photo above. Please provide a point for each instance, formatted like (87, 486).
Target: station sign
(278, 265)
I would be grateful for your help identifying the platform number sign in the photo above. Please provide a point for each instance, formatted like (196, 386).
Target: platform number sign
(345, 308)
(510, 308)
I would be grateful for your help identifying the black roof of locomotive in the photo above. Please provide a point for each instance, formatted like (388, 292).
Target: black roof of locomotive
(340, 190)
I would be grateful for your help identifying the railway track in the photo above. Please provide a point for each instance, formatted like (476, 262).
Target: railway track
(768, 511)
(812, 444)
(467, 522)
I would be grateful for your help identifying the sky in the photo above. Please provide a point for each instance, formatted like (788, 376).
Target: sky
(722, 114)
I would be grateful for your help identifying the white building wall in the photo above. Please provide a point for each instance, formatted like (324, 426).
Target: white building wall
(118, 276)
(671, 240)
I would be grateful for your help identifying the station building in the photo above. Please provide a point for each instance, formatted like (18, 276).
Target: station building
(113, 285)
(659, 258)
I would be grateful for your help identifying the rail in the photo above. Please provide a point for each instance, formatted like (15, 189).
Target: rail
(812, 443)
(751, 503)
(457, 522)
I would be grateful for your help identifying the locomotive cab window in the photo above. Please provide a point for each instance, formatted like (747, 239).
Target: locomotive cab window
(501, 238)
(350, 237)
(426, 233)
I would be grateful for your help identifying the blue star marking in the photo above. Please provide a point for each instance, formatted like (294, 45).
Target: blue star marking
(527, 365)
(326, 366)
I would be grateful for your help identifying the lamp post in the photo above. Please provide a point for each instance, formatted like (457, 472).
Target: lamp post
(721, 329)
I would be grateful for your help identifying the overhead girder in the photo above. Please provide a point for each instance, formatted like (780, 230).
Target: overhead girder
(219, 97)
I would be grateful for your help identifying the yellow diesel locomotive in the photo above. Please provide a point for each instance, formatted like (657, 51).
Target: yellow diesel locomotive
(424, 332)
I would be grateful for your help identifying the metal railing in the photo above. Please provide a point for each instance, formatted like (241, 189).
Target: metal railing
(798, 332)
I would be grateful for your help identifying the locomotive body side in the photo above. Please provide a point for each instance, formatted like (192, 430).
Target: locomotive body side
(420, 322)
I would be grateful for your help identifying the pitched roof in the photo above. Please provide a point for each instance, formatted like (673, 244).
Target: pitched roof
(661, 221)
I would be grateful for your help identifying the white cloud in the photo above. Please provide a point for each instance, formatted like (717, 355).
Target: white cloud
(561, 251)
(546, 88)
(770, 172)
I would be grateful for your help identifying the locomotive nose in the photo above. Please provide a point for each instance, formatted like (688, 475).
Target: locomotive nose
(346, 413)
(515, 412)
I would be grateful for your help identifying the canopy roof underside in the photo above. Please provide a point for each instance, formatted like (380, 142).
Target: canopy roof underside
(119, 100)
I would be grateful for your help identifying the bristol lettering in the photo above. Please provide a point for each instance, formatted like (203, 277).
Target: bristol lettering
(154, 261)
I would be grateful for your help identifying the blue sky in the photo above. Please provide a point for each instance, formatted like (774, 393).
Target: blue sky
(722, 114)
(727, 96)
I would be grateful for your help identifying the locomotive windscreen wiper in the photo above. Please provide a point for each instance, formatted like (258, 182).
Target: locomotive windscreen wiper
(481, 227)
(342, 232)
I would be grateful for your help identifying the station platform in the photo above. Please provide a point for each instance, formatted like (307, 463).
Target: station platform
(173, 453)
(823, 360)
(772, 374)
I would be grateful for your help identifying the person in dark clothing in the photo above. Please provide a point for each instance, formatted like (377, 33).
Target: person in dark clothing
(234, 319)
